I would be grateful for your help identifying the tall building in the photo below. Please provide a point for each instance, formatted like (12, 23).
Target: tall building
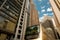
(13, 19)
(34, 19)
(22, 22)
(48, 31)
(9, 14)
(15, 16)
(56, 9)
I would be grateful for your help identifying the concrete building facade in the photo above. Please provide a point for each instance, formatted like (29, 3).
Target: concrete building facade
(13, 19)
(56, 9)
(15, 16)
(48, 30)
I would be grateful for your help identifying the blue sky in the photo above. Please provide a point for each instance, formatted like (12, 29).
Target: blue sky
(43, 7)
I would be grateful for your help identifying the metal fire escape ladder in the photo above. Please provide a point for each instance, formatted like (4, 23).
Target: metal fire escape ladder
(22, 22)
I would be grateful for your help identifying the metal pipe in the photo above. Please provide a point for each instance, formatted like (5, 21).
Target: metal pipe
(12, 4)
(3, 4)
(13, 12)
(7, 17)
(19, 3)
(8, 13)
(9, 7)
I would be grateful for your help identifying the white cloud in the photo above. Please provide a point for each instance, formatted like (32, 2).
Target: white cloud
(39, 0)
(43, 10)
(50, 13)
(42, 7)
(45, 14)
(41, 18)
(49, 9)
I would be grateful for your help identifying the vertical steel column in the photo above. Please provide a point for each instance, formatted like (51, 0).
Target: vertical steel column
(18, 35)
(22, 23)
(25, 20)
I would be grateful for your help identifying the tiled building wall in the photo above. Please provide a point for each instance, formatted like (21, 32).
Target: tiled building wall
(34, 20)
